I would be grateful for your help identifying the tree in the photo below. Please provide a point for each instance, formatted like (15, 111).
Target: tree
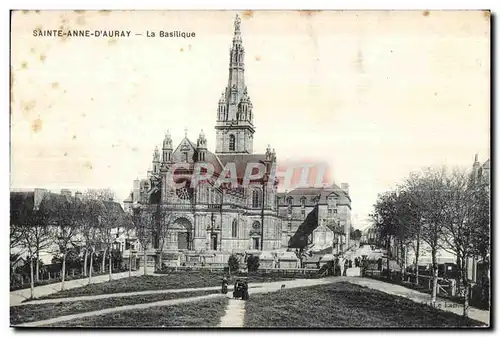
(233, 263)
(356, 234)
(434, 202)
(66, 214)
(464, 227)
(94, 210)
(164, 218)
(413, 191)
(385, 218)
(142, 221)
(31, 230)
(253, 263)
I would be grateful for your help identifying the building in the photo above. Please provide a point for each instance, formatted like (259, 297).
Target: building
(334, 215)
(209, 221)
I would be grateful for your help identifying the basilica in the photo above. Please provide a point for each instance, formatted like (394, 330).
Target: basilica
(221, 219)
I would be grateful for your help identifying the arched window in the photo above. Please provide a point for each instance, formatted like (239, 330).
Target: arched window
(235, 229)
(303, 202)
(232, 143)
(256, 198)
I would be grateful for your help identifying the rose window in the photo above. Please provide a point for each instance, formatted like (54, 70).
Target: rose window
(184, 193)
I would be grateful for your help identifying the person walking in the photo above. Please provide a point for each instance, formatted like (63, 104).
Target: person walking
(346, 265)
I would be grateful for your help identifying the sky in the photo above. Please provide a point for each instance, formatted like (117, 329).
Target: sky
(376, 95)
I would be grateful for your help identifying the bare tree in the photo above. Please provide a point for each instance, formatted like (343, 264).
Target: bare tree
(142, 219)
(66, 214)
(435, 203)
(90, 230)
(32, 232)
(164, 218)
(462, 230)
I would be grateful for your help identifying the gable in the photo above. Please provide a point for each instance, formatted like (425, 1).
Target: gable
(186, 146)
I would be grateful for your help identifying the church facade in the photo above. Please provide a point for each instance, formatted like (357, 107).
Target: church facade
(211, 218)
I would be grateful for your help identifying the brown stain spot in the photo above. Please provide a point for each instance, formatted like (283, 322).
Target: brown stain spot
(308, 12)
(84, 115)
(74, 137)
(104, 12)
(42, 58)
(32, 50)
(426, 13)
(36, 125)
(487, 14)
(29, 106)
(112, 41)
(55, 85)
(257, 57)
(65, 154)
(87, 165)
(79, 11)
(25, 11)
(37, 12)
(64, 91)
(182, 49)
(80, 20)
(247, 14)
(134, 149)
(92, 99)
(39, 27)
(189, 47)
(24, 65)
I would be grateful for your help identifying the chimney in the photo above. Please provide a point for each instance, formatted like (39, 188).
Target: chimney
(345, 187)
(78, 195)
(66, 193)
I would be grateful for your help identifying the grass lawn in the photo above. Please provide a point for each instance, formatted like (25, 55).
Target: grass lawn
(344, 305)
(205, 313)
(38, 312)
(149, 282)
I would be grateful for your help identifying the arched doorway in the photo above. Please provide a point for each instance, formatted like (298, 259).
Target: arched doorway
(180, 235)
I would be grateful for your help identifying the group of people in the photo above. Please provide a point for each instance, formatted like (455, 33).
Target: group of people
(344, 264)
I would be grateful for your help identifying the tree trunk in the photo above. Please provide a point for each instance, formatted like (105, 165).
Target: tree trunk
(110, 264)
(434, 277)
(417, 254)
(466, 285)
(85, 263)
(145, 262)
(460, 273)
(103, 265)
(37, 266)
(63, 274)
(402, 265)
(90, 267)
(130, 264)
(32, 279)
(388, 255)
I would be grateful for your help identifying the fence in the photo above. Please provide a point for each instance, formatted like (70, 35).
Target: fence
(446, 287)
(221, 268)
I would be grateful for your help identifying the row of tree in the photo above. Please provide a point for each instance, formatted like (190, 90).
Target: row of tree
(61, 225)
(445, 209)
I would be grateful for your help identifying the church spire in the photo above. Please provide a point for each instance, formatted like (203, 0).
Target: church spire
(234, 113)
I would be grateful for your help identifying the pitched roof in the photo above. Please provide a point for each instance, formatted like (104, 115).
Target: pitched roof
(486, 164)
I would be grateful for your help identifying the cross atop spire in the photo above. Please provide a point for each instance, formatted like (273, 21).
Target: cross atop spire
(185, 132)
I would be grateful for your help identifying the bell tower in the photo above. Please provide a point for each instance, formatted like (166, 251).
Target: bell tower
(234, 127)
